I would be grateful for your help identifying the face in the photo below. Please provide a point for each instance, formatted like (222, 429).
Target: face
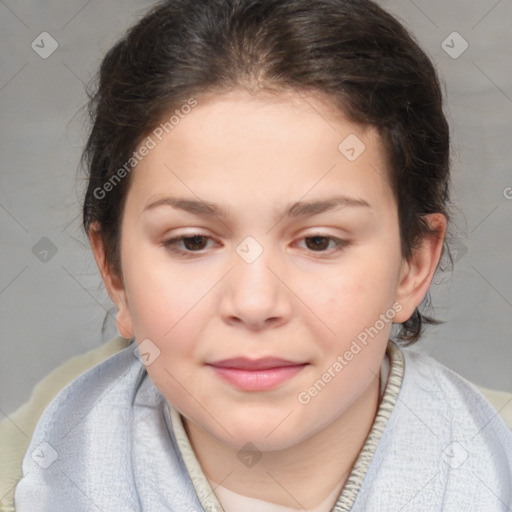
(255, 252)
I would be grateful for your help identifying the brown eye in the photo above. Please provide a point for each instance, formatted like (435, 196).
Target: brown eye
(317, 242)
(187, 245)
(194, 243)
(320, 243)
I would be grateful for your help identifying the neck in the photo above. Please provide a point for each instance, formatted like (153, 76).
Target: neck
(301, 476)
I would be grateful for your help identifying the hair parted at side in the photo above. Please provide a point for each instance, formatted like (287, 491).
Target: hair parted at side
(353, 51)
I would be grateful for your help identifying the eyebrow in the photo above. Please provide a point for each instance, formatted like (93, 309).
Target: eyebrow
(296, 209)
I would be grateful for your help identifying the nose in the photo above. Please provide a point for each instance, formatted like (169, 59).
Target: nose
(255, 293)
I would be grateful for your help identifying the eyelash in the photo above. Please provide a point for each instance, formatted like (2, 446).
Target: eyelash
(171, 244)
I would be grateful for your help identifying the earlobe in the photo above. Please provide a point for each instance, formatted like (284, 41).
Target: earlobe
(417, 273)
(124, 323)
(113, 283)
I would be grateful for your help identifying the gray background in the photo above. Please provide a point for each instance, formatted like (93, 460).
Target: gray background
(52, 306)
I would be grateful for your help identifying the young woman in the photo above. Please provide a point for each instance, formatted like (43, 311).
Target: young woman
(268, 195)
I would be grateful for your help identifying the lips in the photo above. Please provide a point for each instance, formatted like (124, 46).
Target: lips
(256, 374)
(265, 363)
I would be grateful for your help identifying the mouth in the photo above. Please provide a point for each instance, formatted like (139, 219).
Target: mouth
(258, 374)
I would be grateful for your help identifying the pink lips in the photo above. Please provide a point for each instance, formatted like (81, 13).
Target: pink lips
(256, 375)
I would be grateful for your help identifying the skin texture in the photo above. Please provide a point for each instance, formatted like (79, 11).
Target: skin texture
(253, 154)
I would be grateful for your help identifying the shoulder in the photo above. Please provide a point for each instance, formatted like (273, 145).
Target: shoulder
(17, 429)
(500, 400)
(100, 429)
(87, 391)
(444, 446)
(457, 411)
(453, 394)
(456, 392)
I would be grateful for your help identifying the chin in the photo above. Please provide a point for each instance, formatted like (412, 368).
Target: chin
(265, 434)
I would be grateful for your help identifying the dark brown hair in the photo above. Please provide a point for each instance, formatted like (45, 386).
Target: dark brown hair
(352, 51)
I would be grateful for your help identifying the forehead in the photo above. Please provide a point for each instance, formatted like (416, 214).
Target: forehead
(262, 146)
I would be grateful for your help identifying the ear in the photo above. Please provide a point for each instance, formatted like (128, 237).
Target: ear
(113, 283)
(417, 273)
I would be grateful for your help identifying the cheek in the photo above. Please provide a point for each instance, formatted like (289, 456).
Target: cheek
(171, 310)
(175, 330)
(353, 302)
(161, 297)
(172, 321)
